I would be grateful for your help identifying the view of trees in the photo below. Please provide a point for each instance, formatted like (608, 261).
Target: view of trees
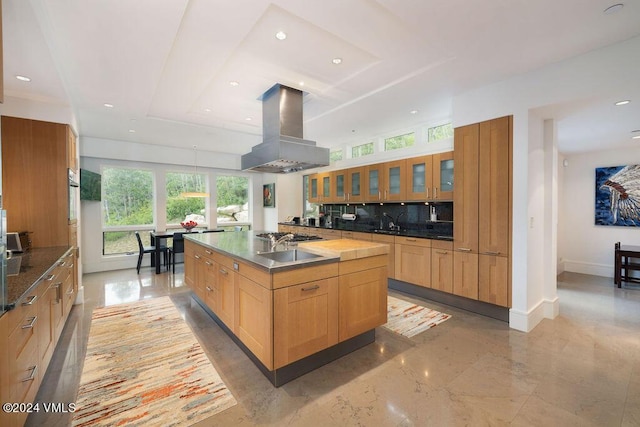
(440, 132)
(399, 141)
(127, 196)
(362, 150)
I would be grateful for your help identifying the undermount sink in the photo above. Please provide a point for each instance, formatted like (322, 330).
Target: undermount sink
(288, 256)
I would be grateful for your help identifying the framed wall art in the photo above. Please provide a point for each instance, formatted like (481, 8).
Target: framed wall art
(618, 196)
(269, 195)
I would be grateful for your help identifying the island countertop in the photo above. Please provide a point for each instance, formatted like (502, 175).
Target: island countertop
(247, 246)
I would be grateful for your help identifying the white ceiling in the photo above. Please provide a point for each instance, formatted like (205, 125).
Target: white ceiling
(166, 65)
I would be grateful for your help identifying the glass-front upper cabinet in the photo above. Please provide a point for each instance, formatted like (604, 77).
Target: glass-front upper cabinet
(354, 184)
(313, 194)
(395, 181)
(443, 176)
(419, 178)
(373, 184)
(339, 191)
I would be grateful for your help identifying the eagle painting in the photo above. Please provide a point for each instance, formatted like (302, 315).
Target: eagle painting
(618, 196)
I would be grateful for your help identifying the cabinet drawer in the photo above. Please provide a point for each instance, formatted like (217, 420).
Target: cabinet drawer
(356, 235)
(442, 244)
(23, 309)
(25, 375)
(413, 241)
(19, 339)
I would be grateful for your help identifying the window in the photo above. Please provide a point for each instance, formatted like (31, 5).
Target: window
(335, 155)
(400, 141)
(186, 208)
(233, 200)
(127, 202)
(362, 150)
(437, 133)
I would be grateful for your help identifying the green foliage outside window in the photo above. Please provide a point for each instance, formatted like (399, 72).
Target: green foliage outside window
(335, 155)
(127, 197)
(233, 198)
(362, 150)
(400, 141)
(179, 207)
(440, 132)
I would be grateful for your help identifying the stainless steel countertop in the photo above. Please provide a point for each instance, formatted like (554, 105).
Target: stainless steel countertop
(245, 246)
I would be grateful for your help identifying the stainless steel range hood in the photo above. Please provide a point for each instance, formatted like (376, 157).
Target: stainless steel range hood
(283, 149)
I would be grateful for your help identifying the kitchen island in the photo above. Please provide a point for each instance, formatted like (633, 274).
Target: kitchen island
(294, 308)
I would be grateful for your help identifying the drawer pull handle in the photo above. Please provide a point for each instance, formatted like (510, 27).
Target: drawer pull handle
(464, 249)
(196, 256)
(30, 300)
(209, 289)
(208, 263)
(208, 252)
(31, 323)
(70, 266)
(312, 288)
(411, 240)
(62, 263)
(442, 252)
(50, 277)
(491, 253)
(225, 272)
(31, 376)
(70, 291)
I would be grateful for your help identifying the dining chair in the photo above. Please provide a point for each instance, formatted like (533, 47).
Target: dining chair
(177, 248)
(147, 250)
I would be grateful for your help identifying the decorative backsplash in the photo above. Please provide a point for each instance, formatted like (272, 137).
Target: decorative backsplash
(408, 216)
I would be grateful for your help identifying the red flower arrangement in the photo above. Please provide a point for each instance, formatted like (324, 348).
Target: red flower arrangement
(189, 225)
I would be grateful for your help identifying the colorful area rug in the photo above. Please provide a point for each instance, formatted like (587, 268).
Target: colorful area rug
(144, 367)
(409, 319)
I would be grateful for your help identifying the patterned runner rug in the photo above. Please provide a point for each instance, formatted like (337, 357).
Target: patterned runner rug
(144, 367)
(409, 319)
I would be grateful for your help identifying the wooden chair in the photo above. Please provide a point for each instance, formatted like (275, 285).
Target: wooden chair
(147, 250)
(177, 248)
(626, 260)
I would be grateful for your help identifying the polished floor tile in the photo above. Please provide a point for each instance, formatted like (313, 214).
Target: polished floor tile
(580, 369)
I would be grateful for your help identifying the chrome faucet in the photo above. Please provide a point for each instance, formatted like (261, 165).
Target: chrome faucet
(275, 242)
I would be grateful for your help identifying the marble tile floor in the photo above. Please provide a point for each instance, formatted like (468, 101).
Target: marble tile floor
(580, 369)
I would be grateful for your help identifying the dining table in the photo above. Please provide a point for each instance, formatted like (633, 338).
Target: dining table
(159, 239)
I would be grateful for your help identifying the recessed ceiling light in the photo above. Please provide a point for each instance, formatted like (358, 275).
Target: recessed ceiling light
(613, 9)
(108, 105)
(23, 78)
(207, 110)
(414, 111)
(234, 83)
(132, 131)
(337, 61)
(248, 119)
(301, 83)
(281, 35)
(625, 102)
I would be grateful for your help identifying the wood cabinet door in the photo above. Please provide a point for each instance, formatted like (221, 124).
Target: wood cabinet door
(391, 256)
(395, 181)
(494, 190)
(442, 269)
(419, 178)
(189, 264)
(465, 198)
(413, 264)
(362, 303)
(355, 184)
(252, 319)
(313, 190)
(338, 182)
(493, 280)
(374, 183)
(443, 176)
(210, 285)
(72, 159)
(465, 274)
(225, 279)
(305, 320)
(325, 187)
(46, 331)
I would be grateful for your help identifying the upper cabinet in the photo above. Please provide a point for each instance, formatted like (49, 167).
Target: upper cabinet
(423, 178)
(430, 177)
(37, 152)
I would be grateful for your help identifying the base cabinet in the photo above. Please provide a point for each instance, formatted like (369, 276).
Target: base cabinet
(413, 260)
(254, 305)
(442, 266)
(493, 280)
(29, 334)
(465, 277)
(305, 320)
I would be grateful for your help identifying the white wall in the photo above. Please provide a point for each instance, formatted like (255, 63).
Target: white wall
(588, 248)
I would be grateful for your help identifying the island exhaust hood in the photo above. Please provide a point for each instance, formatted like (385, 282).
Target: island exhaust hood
(283, 149)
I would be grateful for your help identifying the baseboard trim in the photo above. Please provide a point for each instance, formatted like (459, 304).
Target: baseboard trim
(602, 270)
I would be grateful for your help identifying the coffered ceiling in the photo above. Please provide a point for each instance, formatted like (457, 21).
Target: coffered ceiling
(167, 66)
